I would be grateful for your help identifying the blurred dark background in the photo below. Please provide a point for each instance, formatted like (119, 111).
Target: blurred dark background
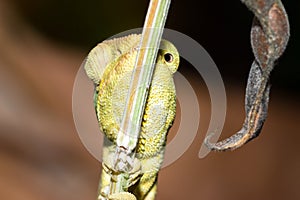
(223, 29)
(42, 45)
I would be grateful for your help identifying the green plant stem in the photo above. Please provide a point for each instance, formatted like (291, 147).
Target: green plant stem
(140, 82)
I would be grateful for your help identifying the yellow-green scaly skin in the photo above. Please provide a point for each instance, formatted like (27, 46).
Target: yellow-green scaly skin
(112, 81)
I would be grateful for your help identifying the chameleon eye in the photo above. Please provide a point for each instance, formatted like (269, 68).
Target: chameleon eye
(168, 57)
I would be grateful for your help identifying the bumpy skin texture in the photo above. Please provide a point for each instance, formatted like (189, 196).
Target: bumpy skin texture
(110, 66)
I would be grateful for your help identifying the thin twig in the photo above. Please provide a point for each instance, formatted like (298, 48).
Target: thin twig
(137, 95)
(269, 37)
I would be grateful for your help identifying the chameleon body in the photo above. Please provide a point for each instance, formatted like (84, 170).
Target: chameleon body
(110, 65)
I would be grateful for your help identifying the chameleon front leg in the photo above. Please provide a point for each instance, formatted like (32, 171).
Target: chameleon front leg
(109, 175)
(142, 178)
(151, 195)
(147, 186)
(107, 178)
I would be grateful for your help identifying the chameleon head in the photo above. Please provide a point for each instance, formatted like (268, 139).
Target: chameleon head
(168, 55)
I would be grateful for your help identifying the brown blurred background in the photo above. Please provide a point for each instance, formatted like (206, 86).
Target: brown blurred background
(42, 45)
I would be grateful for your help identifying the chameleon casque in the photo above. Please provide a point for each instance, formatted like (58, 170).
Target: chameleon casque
(110, 65)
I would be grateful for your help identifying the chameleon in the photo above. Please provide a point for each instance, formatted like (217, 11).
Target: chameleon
(110, 65)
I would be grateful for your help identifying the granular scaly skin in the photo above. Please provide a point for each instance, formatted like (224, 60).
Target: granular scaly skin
(112, 80)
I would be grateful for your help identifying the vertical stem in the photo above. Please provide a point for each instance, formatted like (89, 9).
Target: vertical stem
(140, 82)
(142, 76)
